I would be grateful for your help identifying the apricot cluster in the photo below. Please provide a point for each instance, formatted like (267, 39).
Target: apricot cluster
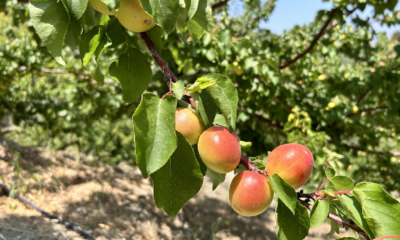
(250, 193)
(130, 14)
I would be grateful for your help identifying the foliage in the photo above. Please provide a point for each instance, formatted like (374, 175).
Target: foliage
(331, 85)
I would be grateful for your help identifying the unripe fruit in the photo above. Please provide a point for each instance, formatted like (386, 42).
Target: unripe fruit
(132, 16)
(219, 149)
(250, 193)
(189, 124)
(293, 162)
(354, 109)
(101, 7)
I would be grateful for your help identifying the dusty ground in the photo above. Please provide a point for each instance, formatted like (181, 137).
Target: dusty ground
(113, 203)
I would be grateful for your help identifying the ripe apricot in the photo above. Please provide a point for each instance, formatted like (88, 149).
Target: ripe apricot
(250, 193)
(293, 162)
(219, 149)
(189, 124)
(101, 7)
(132, 16)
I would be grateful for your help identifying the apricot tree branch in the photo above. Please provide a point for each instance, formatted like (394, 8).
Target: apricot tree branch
(219, 4)
(6, 191)
(313, 43)
(249, 165)
(341, 221)
(168, 74)
(62, 71)
(363, 95)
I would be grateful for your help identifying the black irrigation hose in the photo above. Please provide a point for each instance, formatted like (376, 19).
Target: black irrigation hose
(51, 216)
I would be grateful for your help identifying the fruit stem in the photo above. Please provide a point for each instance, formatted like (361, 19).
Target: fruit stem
(343, 192)
(249, 165)
(322, 185)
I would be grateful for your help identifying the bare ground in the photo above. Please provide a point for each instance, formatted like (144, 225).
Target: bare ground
(114, 203)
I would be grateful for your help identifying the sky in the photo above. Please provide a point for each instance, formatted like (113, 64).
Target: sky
(289, 13)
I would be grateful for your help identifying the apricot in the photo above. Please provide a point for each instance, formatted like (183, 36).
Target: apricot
(189, 124)
(219, 149)
(132, 16)
(101, 7)
(250, 193)
(293, 162)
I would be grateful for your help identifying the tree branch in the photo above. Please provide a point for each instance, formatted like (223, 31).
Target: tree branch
(62, 71)
(341, 221)
(219, 4)
(271, 123)
(168, 74)
(313, 43)
(363, 95)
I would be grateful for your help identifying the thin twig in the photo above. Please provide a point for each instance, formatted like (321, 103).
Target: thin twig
(249, 165)
(341, 221)
(219, 4)
(51, 216)
(313, 43)
(363, 95)
(271, 123)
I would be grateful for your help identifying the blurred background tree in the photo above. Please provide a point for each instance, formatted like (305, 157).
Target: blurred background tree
(332, 84)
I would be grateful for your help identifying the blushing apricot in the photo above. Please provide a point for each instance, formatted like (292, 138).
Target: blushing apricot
(293, 162)
(132, 16)
(250, 193)
(101, 7)
(189, 124)
(219, 149)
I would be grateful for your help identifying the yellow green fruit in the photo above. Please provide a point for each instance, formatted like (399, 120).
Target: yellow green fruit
(132, 16)
(189, 124)
(101, 7)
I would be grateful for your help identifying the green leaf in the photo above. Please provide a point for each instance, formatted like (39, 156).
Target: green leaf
(73, 36)
(133, 72)
(198, 24)
(245, 146)
(205, 106)
(155, 35)
(342, 183)
(50, 20)
(203, 167)
(354, 211)
(334, 227)
(153, 125)
(220, 120)
(292, 226)
(178, 88)
(225, 97)
(164, 13)
(92, 17)
(186, 11)
(111, 4)
(76, 8)
(259, 164)
(319, 213)
(201, 83)
(216, 178)
(115, 31)
(284, 191)
(376, 203)
(93, 43)
(178, 180)
(98, 76)
(330, 172)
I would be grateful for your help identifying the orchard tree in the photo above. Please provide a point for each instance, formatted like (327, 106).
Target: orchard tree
(329, 88)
